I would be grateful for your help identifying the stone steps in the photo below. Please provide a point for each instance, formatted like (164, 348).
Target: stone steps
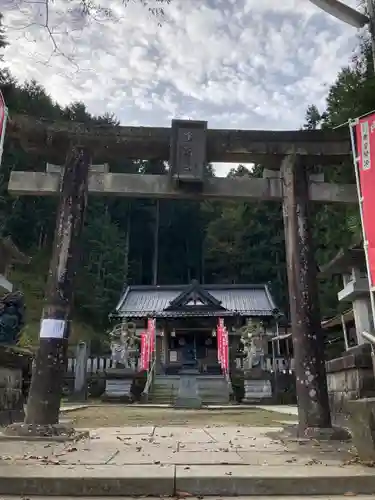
(213, 389)
(171, 481)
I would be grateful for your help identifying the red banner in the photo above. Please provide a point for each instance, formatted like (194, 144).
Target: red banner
(3, 123)
(219, 338)
(225, 349)
(222, 346)
(143, 364)
(365, 141)
(150, 340)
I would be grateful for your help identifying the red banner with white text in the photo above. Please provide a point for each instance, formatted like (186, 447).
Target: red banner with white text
(142, 364)
(151, 339)
(225, 349)
(365, 164)
(219, 339)
(222, 346)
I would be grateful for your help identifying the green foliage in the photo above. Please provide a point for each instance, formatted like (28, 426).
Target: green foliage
(12, 316)
(96, 385)
(245, 242)
(3, 42)
(138, 385)
(350, 96)
(102, 270)
(238, 385)
(312, 118)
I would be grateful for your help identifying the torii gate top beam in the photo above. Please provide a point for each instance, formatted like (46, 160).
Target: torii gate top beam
(106, 142)
(159, 186)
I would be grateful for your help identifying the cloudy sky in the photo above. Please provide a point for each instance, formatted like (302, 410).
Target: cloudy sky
(235, 63)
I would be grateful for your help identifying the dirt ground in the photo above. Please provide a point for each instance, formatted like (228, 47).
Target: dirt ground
(117, 416)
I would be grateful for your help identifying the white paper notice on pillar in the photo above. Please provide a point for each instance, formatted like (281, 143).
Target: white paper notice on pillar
(52, 329)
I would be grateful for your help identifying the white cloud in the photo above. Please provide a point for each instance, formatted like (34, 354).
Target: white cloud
(235, 63)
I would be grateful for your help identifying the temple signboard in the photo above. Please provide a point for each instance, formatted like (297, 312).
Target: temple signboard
(188, 150)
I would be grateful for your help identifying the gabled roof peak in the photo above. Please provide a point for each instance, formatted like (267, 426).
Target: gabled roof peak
(195, 295)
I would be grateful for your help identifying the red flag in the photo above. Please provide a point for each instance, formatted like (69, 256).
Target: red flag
(3, 123)
(365, 170)
(226, 351)
(218, 340)
(143, 365)
(219, 336)
(150, 340)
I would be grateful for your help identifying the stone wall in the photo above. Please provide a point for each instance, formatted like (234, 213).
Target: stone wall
(15, 366)
(350, 377)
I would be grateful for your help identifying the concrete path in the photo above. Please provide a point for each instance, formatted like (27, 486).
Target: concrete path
(165, 405)
(181, 461)
(286, 409)
(73, 407)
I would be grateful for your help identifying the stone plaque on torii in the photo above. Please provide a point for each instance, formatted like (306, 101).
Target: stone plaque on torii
(287, 157)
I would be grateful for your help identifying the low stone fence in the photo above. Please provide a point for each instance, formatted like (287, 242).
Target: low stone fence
(350, 377)
(94, 364)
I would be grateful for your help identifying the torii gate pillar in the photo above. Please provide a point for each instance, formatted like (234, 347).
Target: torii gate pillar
(308, 341)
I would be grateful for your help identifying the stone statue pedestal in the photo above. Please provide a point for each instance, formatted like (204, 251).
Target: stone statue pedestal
(258, 387)
(188, 393)
(118, 385)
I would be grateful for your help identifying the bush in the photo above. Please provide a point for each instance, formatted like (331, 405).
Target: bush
(238, 385)
(138, 385)
(285, 388)
(96, 385)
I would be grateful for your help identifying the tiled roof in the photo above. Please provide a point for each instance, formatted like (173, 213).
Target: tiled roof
(243, 300)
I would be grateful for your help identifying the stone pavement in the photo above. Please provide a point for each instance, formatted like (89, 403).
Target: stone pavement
(335, 497)
(182, 461)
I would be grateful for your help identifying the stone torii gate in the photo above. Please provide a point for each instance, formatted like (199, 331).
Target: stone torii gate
(287, 157)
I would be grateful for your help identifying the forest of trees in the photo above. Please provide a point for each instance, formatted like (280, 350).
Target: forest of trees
(213, 242)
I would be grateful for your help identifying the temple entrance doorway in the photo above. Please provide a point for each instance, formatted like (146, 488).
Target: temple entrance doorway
(193, 348)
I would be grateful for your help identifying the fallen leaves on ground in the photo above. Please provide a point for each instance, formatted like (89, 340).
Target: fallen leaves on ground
(105, 416)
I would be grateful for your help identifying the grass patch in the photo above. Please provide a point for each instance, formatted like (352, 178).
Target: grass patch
(118, 416)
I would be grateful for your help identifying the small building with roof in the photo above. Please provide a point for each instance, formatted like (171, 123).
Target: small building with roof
(187, 316)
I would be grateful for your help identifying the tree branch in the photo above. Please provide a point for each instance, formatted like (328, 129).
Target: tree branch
(87, 10)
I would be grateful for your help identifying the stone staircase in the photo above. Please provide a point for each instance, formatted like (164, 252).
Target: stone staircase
(213, 389)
